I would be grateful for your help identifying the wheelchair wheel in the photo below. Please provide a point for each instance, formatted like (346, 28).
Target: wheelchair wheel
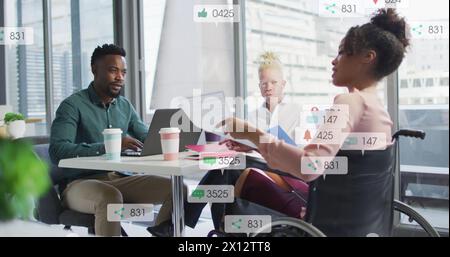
(288, 227)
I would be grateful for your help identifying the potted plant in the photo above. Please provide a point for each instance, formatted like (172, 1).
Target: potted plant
(23, 178)
(15, 123)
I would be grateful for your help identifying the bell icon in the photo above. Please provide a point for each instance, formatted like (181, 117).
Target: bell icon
(315, 109)
(307, 136)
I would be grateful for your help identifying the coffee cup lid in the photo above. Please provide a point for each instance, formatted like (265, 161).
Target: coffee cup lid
(112, 131)
(169, 130)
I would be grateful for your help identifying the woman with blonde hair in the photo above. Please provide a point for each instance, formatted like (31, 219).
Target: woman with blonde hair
(275, 111)
(271, 80)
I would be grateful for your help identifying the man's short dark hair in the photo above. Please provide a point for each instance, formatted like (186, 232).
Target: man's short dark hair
(107, 49)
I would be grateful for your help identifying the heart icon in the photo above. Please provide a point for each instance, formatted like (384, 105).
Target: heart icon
(375, 1)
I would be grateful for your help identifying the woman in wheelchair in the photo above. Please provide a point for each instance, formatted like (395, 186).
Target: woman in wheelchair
(367, 54)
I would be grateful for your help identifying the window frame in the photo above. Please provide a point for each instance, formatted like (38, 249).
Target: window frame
(47, 23)
(3, 92)
(48, 62)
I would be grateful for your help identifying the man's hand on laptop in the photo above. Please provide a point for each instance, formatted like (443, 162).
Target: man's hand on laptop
(129, 143)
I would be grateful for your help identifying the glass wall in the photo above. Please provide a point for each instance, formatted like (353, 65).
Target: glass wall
(25, 69)
(306, 36)
(305, 40)
(153, 15)
(78, 26)
(74, 40)
(424, 105)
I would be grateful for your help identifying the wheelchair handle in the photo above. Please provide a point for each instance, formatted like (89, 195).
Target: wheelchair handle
(409, 133)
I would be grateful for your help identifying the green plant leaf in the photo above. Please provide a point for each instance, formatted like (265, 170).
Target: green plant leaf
(23, 178)
(10, 117)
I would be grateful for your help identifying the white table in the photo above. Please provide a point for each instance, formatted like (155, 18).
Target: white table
(149, 165)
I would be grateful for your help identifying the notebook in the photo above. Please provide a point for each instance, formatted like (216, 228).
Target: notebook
(227, 136)
(277, 131)
(206, 150)
(213, 148)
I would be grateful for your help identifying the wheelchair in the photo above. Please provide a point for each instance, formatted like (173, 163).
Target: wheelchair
(359, 204)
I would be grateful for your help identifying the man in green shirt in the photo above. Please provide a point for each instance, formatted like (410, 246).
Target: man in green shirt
(77, 132)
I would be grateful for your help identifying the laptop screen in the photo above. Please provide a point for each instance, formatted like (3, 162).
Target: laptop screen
(166, 118)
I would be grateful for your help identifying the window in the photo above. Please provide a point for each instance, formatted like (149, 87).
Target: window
(416, 100)
(403, 100)
(417, 83)
(442, 100)
(404, 83)
(74, 38)
(25, 64)
(63, 78)
(425, 164)
(429, 100)
(153, 12)
(307, 43)
(444, 82)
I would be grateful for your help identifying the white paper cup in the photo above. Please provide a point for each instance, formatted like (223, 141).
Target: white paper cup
(113, 143)
(170, 143)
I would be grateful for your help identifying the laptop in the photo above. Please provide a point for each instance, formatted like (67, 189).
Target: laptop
(190, 134)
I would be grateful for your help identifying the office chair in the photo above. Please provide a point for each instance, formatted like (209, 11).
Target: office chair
(359, 204)
(49, 208)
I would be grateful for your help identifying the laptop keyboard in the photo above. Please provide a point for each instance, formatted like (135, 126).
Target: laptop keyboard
(131, 153)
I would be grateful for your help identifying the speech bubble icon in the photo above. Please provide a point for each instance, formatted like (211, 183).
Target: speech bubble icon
(351, 141)
(210, 160)
(198, 194)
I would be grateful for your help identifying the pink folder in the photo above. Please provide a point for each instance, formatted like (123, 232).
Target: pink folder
(210, 151)
(208, 148)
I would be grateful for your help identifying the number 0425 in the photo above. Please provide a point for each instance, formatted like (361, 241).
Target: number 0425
(225, 13)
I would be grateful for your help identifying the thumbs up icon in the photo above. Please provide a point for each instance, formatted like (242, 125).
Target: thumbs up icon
(203, 13)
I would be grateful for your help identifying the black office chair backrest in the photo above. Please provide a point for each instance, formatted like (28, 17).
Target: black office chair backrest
(56, 173)
(357, 204)
(48, 206)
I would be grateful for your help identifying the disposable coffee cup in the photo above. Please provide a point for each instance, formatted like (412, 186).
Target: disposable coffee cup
(113, 143)
(170, 143)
